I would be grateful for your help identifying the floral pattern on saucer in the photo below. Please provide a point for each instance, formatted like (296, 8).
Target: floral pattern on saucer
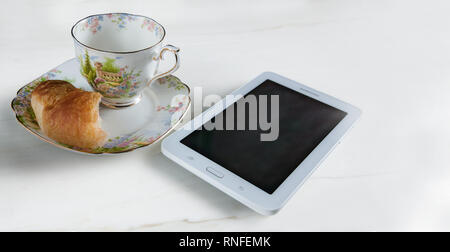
(22, 103)
(170, 106)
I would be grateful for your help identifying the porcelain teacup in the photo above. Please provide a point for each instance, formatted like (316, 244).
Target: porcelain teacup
(119, 55)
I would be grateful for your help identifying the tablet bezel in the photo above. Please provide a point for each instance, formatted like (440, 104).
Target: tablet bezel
(237, 187)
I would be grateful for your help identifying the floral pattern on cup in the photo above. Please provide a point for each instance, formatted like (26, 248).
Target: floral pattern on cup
(124, 58)
(92, 24)
(121, 20)
(111, 80)
(151, 26)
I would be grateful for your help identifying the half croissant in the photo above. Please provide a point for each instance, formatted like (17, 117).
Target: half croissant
(67, 114)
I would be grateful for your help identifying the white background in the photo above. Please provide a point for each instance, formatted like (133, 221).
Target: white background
(389, 58)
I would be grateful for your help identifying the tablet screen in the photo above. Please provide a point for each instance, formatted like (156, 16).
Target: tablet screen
(303, 123)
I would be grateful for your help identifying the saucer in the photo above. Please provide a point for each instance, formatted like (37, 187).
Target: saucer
(162, 106)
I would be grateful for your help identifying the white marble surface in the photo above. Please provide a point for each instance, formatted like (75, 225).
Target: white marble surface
(390, 58)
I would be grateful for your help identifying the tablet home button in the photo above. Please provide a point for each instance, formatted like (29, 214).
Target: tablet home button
(214, 172)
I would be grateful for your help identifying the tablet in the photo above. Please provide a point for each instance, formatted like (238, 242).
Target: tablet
(260, 143)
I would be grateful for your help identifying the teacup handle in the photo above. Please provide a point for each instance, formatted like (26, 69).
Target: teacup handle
(175, 50)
